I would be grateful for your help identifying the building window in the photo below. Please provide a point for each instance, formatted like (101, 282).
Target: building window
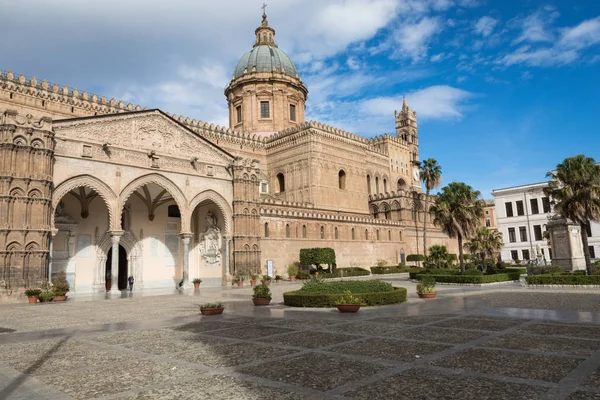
(342, 179)
(292, 112)
(287, 230)
(238, 112)
(592, 252)
(376, 185)
(265, 111)
(266, 229)
(390, 236)
(401, 185)
(337, 235)
(304, 231)
(509, 209)
(173, 212)
(546, 204)
(512, 238)
(280, 182)
(322, 233)
(377, 234)
(537, 232)
(369, 183)
(550, 253)
(264, 187)
(535, 209)
(523, 233)
(366, 234)
(525, 254)
(514, 255)
(588, 229)
(520, 210)
(400, 235)
(353, 236)
(488, 223)
(384, 185)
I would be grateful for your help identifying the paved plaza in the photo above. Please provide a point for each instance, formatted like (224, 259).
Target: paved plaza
(502, 342)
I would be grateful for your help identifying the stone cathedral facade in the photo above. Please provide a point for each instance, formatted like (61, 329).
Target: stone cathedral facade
(105, 190)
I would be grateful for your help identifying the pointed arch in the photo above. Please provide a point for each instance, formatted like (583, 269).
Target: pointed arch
(91, 182)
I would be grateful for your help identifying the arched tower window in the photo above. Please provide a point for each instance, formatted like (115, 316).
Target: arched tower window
(322, 232)
(287, 230)
(304, 231)
(264, 37)
(280, 182)
(376, 185)
(401, 184)
(390, 236)
(266, 229)
(369, 183)
(342, 179)
(353, 235)
(337, 236)
(366, 234)
(384, 185)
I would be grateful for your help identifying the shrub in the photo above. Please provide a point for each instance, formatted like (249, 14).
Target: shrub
(197, 280)
(211, 305)
(563, 279)
(45, 297)
(473, 278)
(261, 292)
(349, 298)
(393, 270)
(381, 263)
(345, 272)
(466, 257)
(33, 292)
(317, 256)
(415, 257)
(470, 266)
(369, 286)
(292, 269)
(61, 286)
(299, 299)
(514, 269)
(266, 278)
(547, 269)
(278, 277)
(427, 285)
(303, 274)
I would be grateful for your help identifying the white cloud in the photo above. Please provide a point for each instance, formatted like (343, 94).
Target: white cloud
(414, 39)
(536, 27)
(583, 35)
(434, 102)
(437, 57)
(539, 57)
(485, 26)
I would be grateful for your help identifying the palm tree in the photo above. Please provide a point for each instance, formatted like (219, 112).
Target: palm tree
(485, 242)
(431, 176)
(575, 193)
(457, 211)
(438, 254)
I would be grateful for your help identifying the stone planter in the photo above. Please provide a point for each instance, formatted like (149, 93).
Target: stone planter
(348, 308)
(261, 302)
(32, 299)
(253, 283)
(211, 311)
(60, 298)
(427, 295)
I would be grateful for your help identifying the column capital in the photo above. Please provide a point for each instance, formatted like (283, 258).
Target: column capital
(116, 233)
(186, 235)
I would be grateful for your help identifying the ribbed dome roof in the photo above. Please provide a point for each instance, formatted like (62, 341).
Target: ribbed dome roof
(265, 58)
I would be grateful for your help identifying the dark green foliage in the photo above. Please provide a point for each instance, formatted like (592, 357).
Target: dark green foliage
(467, 257)
(297, 299)
(317, 256)
(513, 269)
(45, 297)
(470, 265)
(476, 278)
(344, 272)
(303, 274)
(33, 292)
(261, 292)
(546, 269)
(563, 279)
(60, 284)
(393, 270)
(369, 286)
(415, 257)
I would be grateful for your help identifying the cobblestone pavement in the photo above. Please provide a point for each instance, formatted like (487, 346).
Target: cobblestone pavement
(467, 344)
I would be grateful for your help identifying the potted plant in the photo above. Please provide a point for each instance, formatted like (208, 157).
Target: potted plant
(238, 280)
(262, 295)
(61, 286)
(45, 297)
(253, 278)
(211, 309)
(426, 288)
(197, 282)
(277, 278)
(292, 271)
(32, 295)
(348, 303)
(266, 280)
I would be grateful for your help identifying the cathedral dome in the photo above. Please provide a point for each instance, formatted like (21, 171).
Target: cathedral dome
(265, 58)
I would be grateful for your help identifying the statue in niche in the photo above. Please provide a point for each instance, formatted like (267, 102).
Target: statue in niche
(210, 240)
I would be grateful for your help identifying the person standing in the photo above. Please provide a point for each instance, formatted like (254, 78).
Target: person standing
(130, 280)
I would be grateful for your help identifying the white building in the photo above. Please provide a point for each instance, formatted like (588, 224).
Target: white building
(522, 213)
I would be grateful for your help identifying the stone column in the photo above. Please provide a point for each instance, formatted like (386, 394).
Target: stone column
(227, 270)
(115, 237)
(53, 233)
(185, 238)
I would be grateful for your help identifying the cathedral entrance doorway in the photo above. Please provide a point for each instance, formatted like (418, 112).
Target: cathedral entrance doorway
(121, 274)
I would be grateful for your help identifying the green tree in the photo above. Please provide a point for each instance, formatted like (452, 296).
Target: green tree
(457, 211)
(438, 255)
(575, 193)
(485, 243)
(431, 176)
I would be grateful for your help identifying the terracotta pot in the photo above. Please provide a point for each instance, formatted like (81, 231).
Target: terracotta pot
(348, 308)
(196, 286)
(240, 283)
(277, 281)
(32, 299)
(292, 278)
(252, 283)
(60, 298)
(211, 311)
(261, 302)
(266, 283)
(427, 295)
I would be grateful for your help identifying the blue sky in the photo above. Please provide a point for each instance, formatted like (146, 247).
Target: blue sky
(504, 90)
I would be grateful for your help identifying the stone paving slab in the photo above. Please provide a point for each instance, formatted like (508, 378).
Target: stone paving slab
(390, 349)
(249, 332)
(594, 379)
(230, 355)
(528, 366)
(571, 330)
(306, 340)
(421, 384)
(363, 328)
(479, 324)
(442, 335)
(413, 319)
(579, 395)
(546, 344)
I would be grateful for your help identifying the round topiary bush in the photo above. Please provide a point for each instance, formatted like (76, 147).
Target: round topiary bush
(327, 294)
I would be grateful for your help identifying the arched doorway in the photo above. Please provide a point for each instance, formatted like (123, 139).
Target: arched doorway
(121, 275)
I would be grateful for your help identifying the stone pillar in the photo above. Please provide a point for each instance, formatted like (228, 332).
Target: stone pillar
(567, 248)
(115, 237)
(227, 270)
(53, 233)
(185, 238)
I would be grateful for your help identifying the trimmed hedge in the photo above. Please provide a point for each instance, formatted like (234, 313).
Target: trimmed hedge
(344, 272)
(415, 257)
(563, 279)
(476, 279)
(318, 255)
(296, 299)
(340, 287)
(393, 270)
(521, 271)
